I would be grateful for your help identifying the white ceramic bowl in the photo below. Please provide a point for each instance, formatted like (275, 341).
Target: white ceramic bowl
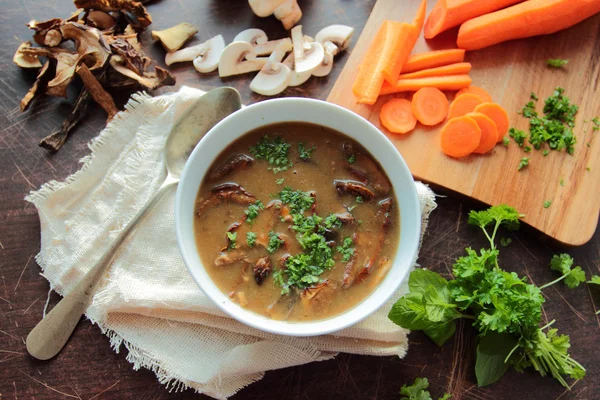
(319, 113)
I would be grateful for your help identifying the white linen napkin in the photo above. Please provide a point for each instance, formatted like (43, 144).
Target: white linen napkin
(148, 302)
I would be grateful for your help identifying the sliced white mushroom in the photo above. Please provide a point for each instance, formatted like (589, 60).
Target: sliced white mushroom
(264, 8)
(334, 39)
(239, 58)
(288, 13)
(208, 60)
(307, 55)
(174, 37)
(258, 38)
(275, 76)
(297, 79)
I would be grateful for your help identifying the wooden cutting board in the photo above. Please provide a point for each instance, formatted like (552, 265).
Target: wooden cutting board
(509, 72)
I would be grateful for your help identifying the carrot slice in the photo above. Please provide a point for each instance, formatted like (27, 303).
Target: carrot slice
(397, 117)
(516, 22)
(451, 82)
(451, 69)
(430, 106)
(460, 136)
(432, 59)
(485, 96)
(407, 36)
(464, 104)
(450, 13)
(496, 114)
(489, 132)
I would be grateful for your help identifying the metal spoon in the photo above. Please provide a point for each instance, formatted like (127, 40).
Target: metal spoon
(51, 334)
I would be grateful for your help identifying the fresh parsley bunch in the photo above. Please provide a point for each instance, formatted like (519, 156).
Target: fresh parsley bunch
(505, 309)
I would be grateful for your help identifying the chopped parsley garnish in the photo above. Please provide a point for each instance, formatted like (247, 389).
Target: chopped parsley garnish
(332, 221)
(524, 162)
(527, 149)
(556, 62)
(518, 136)
(231, 237)
(303, 152)
(251, 238)
(596, 122)
(547, 203)
(252, 211)
(545, 152)
(274, 242)
(359, 199)
(352, 159)
(275, 152)
(279, 181)
(297, 200)
(505, 141)
(346, 249)
(562, 183)
(533, 96)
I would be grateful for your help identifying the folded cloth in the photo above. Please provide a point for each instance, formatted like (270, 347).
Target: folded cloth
(147, 301)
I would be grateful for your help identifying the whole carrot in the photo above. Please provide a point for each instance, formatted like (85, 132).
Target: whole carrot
(531, 18)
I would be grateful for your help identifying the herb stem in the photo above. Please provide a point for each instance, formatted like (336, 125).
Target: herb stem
(553, 282)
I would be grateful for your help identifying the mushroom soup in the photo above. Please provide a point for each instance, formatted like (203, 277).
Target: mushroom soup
(296, 222)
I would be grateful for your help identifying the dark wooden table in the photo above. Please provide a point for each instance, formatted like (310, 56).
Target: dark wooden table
(88, 368)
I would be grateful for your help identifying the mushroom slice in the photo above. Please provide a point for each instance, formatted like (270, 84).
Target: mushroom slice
(275, 76)
(288, 13)
(100, 20)
(258, 38)
(149, 80)
(208, 60)
(174, 37)
(297, 79)
(26, 60)
(89, 42)
(42, 35)
(39, 86)
(264, 8)
(307, 55)
(239, 58)
(339, 35)
(326, 65)
(135, 8)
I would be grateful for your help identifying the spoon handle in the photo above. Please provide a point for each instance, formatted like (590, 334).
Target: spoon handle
(52, 333)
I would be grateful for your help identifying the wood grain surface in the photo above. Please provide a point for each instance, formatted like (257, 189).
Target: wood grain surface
(509, 72)
(89, 369)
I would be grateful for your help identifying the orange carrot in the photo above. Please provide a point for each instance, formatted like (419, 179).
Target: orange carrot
(450, 82)
(464, 104)
(530, 18)
(497, 114)
(489, 132)
(451, 69)
(450, 13)
(485, 96)
(408, 36)
(430, 106)
(460, 136)
(432, 59)
(397, 117)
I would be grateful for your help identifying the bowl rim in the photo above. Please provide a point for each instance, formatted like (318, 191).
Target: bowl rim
(402, 263)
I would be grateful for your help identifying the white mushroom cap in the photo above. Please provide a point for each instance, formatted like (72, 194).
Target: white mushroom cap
(211, 48)
(253, 36)
(239, 58)
(337, 34)
(297, 79)
(288, 13)
(307, 55)
(274, 77)
(208, 61)
(264, 8)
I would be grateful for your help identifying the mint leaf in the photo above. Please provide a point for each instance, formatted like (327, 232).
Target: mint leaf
(492, 350)
(440, 334)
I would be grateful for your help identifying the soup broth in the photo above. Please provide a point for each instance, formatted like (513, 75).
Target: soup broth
(296, 222)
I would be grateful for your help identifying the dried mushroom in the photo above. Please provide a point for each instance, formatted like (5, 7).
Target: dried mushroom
(105, 54)
(174, 38)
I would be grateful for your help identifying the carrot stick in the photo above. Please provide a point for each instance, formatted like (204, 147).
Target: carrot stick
(485, 96)
(432, 59)
(450, 13)
(460, 136)
(408, 36)
(489, 132)
(452, 69)
(430, 106)
(451, 82)
(397, 117)
(531, 18)
(464, 104)
(497, 114)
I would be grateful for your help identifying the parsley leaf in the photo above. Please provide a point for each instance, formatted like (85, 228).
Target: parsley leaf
(504, 242)
(274, 242)
(352, 159)
(231, 238)
(596, 122)
(279, 181)
(251, 238)
(572, 276)
(562, 182)
(252, 211)
(518, 136)
(418, 391)
(505, 141)
(524, 162)
(533, 96)
(275, 152)
(556, 62)
(297, 200)
(303, 152)
(594, 280)
(545, 152)
(346, 249)
(547, 203)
